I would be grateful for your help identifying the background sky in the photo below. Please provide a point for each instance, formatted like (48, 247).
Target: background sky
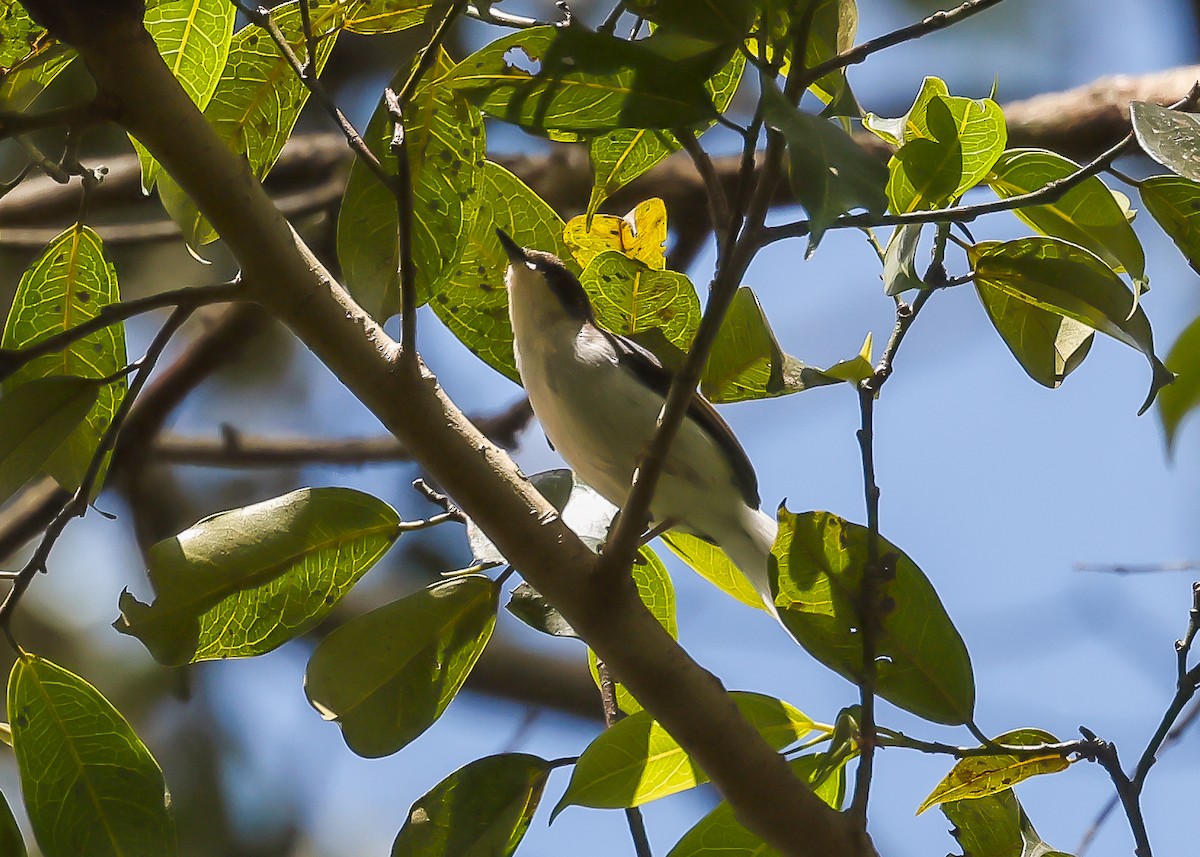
(995, 486)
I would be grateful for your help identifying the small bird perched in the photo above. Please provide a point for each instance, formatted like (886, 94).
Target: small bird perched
(598, 396)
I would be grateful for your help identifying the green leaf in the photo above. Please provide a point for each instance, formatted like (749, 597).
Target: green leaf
(1088, 214)
(69, 284)
(635, 761)
(980, 776)
(388, 675)
(658, 594)
(193, 37)
(18, 33)
(832, 29)
(445, 139)
(921, 665)
(30, 77)
(257, 100)
(372, 17)
(244, 582)
(711, 20)
(528, 605)
(949, 147)
(581, 81)
(629, 299)
(900, 260)
(1048, 346)
(1072, 282)
(473, 302)
(91, 787)
(12, 844)
(831, 174)
(720, 833)
(640, 235)
(620, 156)
(481, 810)
(36, 418)
(995, 826)
(711, 563)
(1175, 204)
(912, 125)
(1181, 398)
(1170, 137)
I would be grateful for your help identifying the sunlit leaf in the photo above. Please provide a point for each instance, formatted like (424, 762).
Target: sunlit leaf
(18, 33)
(556, 78)
(657, 592)
(445, 140)
(631, 299)
(640, 235)
(831, 29)
(370, 17)
(1178, 400)
(386, 676)
(472, 301)
(30, 77)
(720, 833)
(921, 664)
(1174, 203)
(1088, 214)
(1048, 346)
(995, 826)
(36, 418)
(1170, 137)
(243, 582)
(1070, 281)
(69, 284)
(831, 175)
(711, 563)
(636, 761)
(912, 124)
(90, 785)
(481, 810)
(980, 776)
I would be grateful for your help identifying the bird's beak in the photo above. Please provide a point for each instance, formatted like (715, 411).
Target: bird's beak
(515, 252)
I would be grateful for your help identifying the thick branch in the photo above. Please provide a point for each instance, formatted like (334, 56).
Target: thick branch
(282, 274)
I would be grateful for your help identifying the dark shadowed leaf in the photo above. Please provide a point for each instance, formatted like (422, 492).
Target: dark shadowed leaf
(635, 761)
(69, 284)
(445, 150)
(1047, 345)
(831, 30)
(1178, 400)
(720, 833)
(1070, 281)
(472, 300)
(980, 776)
(570, 79)
(922, 664)
(995, 826)
(1170, 137)
(30, 77)
(90, 785)
(386, 676)
(831, 175)
(1088, 214)
(36, 418)
(900, 260)
(528, 605)
(1175, 204)
(244, 582)
(711, 20)
(12, 844)
(481, 810)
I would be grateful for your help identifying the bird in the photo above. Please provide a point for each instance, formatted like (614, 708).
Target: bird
(598, 396)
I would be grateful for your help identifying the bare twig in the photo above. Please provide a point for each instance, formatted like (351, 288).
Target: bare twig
(72, 116)
(429, 53)
(483, 11)
(612, 714)
(1137, 568)
(1106, 755)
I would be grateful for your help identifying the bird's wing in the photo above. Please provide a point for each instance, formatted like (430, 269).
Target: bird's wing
(657, 377)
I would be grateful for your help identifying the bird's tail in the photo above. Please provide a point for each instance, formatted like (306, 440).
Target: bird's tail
(749, 547)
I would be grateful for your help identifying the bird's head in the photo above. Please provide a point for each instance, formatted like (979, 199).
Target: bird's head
(537, 276)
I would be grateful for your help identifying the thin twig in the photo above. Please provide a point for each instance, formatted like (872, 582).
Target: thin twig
(891, 738)
(484, 12)
(612, 714)
(1137, 568)
(77, 506)
(404, 228)
(1106, 755)
(12, 359)
(718, 203)
(429, 53)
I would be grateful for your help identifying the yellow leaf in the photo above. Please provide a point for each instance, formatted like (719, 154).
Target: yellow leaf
(980, 776)
(641, 235)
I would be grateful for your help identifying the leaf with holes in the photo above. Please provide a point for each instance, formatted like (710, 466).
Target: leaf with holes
(36, 418)
(636, 761)
(386, 676)
(243, 582)
(473, 301)
(91, 787)
(580, 81)
(445, 139)
(980, 776)
(69, 284)
(1170, 137)
(1088, 214)
(1174, 203)
(657, 592)
(481, 810)
(1070, 281)
(921, 665)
